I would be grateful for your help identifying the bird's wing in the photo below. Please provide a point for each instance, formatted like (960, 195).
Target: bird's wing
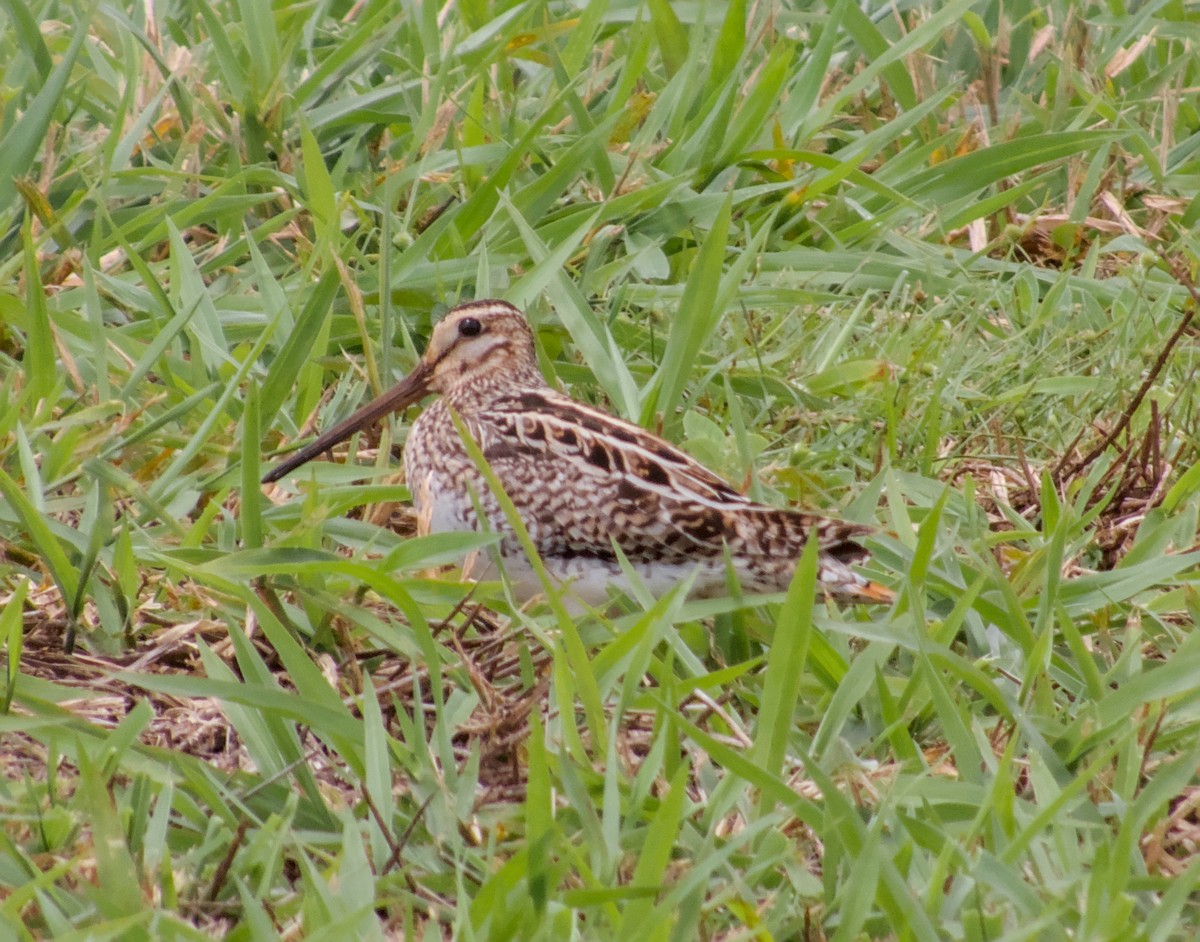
(584, 479)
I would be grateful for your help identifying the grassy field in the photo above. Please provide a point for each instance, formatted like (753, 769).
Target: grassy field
(928, 267)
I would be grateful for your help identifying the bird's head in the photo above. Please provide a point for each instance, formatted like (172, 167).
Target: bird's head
(476, 343)
(475, 347)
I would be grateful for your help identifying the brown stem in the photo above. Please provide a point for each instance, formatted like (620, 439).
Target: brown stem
(1160, 362)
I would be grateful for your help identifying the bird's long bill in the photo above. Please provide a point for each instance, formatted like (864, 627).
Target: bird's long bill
(410, 389)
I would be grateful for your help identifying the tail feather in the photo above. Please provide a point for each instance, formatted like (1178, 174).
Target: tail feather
(842, 582)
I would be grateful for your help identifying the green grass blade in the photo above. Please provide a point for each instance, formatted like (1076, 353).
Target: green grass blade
(692, 324)
(22, 142)
(48, 547)
(776, 716)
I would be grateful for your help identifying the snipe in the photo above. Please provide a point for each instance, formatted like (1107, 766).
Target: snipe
(582, 480)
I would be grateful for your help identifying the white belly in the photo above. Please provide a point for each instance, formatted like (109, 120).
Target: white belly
(587, 583)
(442, 506)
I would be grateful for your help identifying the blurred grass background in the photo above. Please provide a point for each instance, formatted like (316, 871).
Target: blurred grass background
(930, 267)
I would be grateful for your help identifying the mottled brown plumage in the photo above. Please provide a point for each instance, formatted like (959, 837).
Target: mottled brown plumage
(584, 482)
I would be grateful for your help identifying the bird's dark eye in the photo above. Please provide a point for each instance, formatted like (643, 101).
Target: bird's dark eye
(469, 327)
